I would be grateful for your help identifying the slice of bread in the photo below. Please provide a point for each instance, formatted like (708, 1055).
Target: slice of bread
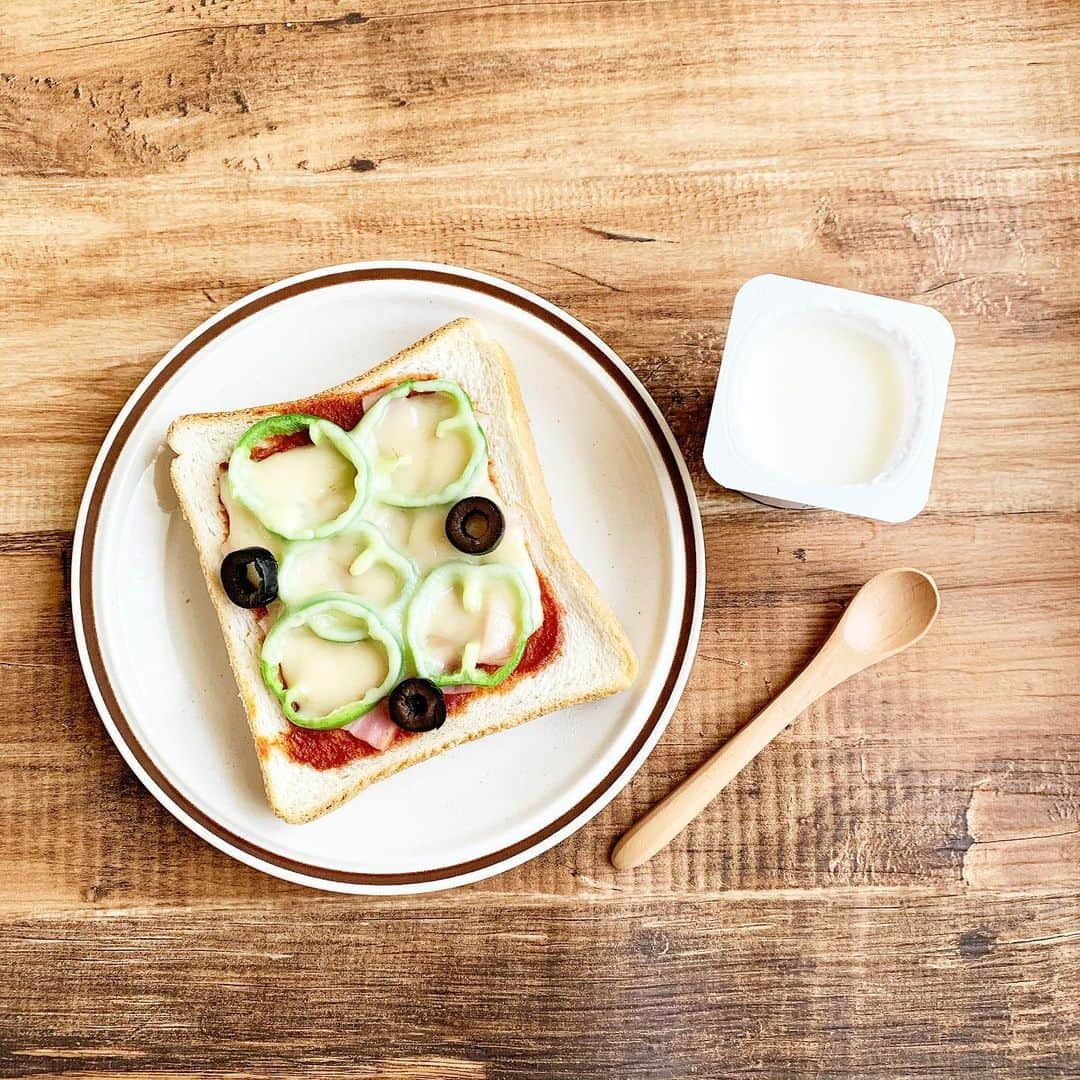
(595, 658)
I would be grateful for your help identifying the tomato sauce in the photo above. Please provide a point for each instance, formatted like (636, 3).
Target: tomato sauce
(277, 443)
(324, 749)
(456, 702)
(344, 410)
(546, 639)
(331, 749)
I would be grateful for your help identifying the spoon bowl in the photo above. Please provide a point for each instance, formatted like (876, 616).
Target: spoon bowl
(891, 612)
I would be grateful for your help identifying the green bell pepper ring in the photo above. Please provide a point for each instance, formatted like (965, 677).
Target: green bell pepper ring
(463, 421)
(472, 578)
(244, 487)
(319, 617)
(364, 546)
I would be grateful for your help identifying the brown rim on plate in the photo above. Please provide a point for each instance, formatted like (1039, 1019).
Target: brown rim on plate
(95, 499)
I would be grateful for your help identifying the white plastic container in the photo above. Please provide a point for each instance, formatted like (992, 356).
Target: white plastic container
(829, 398)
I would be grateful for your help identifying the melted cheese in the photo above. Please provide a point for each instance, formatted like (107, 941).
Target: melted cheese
(421, 459)
(322, 566)
(307, 485)
(421, 534)
(322, 675)
(245, 529)
(325, 566)
(472, 626)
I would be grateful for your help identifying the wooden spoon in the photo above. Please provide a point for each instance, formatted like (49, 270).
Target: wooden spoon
(891, 611)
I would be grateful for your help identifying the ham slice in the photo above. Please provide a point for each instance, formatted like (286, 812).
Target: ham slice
(375, 727)
(500, 636)
(453, 691)
(369, 399)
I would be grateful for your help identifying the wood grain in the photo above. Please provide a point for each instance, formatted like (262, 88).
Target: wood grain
(893, 889)
(627, 988)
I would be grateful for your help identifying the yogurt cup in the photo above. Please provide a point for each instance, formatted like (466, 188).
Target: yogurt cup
(829, 398)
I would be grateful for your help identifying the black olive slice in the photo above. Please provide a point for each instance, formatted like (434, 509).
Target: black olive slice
(475, 525)
(250, 577)
(417, 705)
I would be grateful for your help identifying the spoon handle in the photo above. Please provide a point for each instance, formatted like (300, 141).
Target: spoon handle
(672, 814)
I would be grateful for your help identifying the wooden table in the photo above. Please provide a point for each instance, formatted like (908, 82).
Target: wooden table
(894, 887)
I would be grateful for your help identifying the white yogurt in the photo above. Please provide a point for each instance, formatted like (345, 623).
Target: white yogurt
(829, 398)
(823, 399)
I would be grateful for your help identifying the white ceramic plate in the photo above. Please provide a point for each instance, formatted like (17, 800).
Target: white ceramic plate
(155, 661)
